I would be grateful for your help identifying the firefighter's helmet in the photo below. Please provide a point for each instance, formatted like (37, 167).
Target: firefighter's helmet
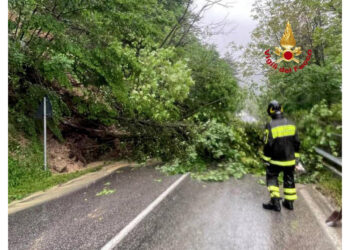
(274, 108)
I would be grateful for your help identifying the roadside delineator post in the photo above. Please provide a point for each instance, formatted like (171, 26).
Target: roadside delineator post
(44, 111)
(45, 167)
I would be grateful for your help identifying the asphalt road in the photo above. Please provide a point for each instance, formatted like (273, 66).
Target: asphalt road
(83, 220)
(196, 215)
(229, 215)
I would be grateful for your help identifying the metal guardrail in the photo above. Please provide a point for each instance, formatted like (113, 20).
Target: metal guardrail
(331, 158)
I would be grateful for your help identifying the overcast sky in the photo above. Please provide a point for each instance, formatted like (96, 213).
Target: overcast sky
(239, 25)
(239, 22)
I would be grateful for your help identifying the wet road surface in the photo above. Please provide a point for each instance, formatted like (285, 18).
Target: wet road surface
(229, 215)
(197, 215)
(83, 220)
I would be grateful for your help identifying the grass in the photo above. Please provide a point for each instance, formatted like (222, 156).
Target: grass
(331, 186)
(27, 188)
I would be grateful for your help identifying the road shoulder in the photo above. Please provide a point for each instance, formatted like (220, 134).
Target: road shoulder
(321, 207)
(69, 187)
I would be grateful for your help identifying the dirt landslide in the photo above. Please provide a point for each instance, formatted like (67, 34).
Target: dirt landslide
(60, 158)
(78, 149)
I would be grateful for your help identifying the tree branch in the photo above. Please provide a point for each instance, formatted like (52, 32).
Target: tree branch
(179, 21)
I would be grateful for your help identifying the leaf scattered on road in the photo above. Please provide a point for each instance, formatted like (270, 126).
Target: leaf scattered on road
(158, 180)
(107, 183)
(261, 182)
(105, 191)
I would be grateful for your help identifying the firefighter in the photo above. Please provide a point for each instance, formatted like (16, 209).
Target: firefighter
(281, 154)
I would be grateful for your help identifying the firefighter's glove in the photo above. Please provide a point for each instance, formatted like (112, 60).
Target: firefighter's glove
(266, 164)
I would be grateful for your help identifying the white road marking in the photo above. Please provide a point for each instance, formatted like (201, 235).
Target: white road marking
(320, 216)
(126, 230)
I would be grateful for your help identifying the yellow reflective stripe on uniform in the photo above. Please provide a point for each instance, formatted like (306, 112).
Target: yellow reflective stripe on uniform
(297, 155)
(283, 163)
(291, 197)
(275, 195)
(266, 136)
(282, 131)
(266, 158)
(289, 190)
(274, 191)
(273, 188)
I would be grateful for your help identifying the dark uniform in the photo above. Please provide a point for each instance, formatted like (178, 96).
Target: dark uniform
(281, 153)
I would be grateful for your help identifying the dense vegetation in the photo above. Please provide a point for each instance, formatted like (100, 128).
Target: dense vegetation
(134, 71)
(134, 78)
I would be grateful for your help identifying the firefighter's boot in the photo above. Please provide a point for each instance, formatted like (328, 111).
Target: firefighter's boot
(288, 204)
(273, 204)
